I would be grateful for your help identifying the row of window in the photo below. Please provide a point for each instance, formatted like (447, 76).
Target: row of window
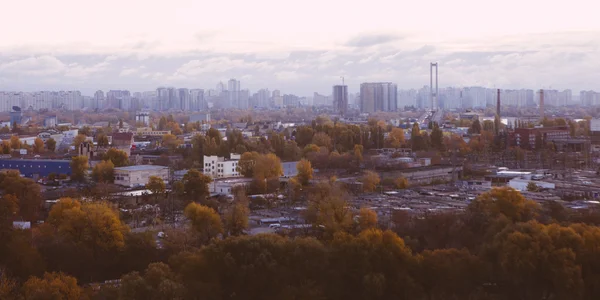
(31, 166)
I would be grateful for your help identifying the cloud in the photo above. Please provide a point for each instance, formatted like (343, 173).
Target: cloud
(35, 66)
(368, 40)
(512, 62)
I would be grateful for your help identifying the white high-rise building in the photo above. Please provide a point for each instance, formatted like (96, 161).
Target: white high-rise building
(233, 87)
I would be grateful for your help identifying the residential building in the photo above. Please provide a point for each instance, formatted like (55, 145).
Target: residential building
(378, 96)
(340, 99)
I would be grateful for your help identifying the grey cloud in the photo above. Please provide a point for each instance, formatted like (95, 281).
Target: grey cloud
(368, 40)
(304, 72)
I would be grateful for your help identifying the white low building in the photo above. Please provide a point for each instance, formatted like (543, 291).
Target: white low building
(219, 167)
(520, 184)
(135, 176)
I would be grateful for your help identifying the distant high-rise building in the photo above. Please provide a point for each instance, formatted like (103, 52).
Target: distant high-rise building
(291, 100)
(233, 87)
(340, 99)
(197, 101)
(183, 99)
(378, 96)
(120, 99)
(98, 100)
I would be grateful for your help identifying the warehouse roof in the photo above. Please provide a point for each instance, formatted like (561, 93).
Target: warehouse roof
(141, 168)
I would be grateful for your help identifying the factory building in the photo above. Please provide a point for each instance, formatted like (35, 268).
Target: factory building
(135, 176)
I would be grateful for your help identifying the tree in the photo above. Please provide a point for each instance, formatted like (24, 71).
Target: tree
(532, 187)
(15, 142)
(401, 183)
(102, 140)
(26, 191)
(370, 181)
(236, 215)
(52, 286)
(80, 138)
(395, 138)
(171, 142)
(8, 286)
(196, 185)
(475, 127)
(328, 208)
(156, 185)
(118, 157)
(305, 172)
(158, 282)
(79, 166)
(38, 146)
(321, 139)
(367, 219)
(9, 206)
(437, 138)
(247, 162)
(51, 144)
(95, 226)
(205, 221)
(104, 171)
(304, 136)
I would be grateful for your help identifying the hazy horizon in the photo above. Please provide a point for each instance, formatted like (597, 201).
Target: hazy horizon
(298, 48)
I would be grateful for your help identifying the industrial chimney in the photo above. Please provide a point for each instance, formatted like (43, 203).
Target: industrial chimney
(498, 104)
(541, 105)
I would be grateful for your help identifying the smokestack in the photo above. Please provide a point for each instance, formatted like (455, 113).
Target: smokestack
(541, 105)
(498, 104)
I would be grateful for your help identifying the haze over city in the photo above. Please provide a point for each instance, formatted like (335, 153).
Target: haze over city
(298, 48)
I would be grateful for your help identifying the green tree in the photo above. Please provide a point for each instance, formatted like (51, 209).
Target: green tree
(156, 185)
(196, 185)
(475, 127)
(79, 166)
(532, 187)
(51, 144)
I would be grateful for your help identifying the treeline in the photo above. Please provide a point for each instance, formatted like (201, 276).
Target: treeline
(501, 247)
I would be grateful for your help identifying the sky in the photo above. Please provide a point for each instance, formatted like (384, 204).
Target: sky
(298, 47)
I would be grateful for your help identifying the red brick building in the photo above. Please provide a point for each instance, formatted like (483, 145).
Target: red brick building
(525, 137)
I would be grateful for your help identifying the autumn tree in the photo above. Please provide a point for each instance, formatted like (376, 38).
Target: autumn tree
(401, 183)
(395, 138)
(475, 127)
(236, 215)
(52, 286)
(118, 157)
(328, 208)
(205, 221)
(157, 282)
(104, 171)
(102, 140)
(322, 139)
(171, 142)
(15, 142)
(156, 185)
(51, 144)
(79, 167)
(9, 206)
(38, 146)
(26, 191)
(305, 172)
(367, 219)
(80, 138)
(370, 181)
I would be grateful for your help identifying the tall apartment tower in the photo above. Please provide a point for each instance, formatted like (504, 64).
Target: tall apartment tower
(378, 96)
(233, 87)
(340, 99)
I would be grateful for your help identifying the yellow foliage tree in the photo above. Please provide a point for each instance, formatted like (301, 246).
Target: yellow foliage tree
(370, 181)
(305, 171)
(52, 286)
(205, 221)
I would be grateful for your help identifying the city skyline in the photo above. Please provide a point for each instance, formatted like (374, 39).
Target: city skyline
(68, 52)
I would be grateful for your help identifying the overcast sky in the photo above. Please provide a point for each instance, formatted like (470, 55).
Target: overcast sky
(297, 46)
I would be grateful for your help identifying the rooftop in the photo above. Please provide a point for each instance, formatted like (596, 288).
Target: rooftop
(141, 168)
